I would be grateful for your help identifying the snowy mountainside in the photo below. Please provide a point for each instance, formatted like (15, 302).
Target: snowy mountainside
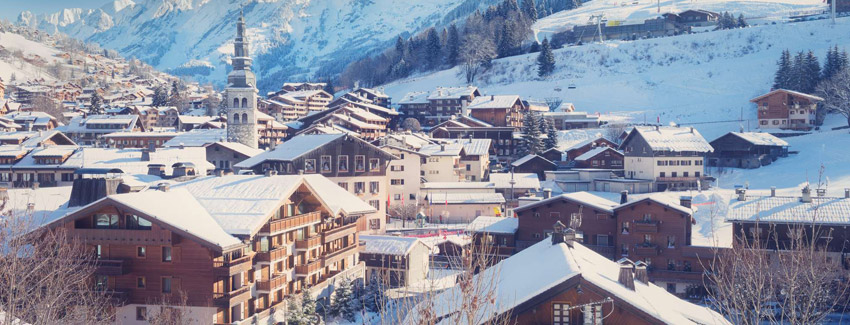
(290, 39)
(22, 69)
(704, 80)
(755, 11)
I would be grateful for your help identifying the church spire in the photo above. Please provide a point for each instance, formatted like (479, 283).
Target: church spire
(241, 76)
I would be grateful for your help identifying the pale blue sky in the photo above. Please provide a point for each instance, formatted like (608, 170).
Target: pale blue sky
(11, 8)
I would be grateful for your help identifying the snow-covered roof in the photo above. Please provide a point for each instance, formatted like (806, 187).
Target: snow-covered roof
(522, 180)
(760, 139)
(528, 158)
(240, 148)
(584, 143)
(787, 209)
(242, 203)
(450, 149)
(416, 97)
(474, 147)
(466, 198)
(452, 92)
(190, 119)
(792, 92)
(128, 160)
(493, 101)
(179, 209)
(388, 245)
(291, 149)
(456, 185)
(671, 138)
(494, 225)
(13, 150)
(34, 117)
(197, 138)
(583, 198)
(595, 151)
(544, 265)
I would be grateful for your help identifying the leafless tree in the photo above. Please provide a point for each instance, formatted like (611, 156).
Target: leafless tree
(405, 212)
(554, 103)
(836, 93)
(779, 274)
(411, 124)
(476, 54)
(48, 105)
(173, 309)
(47, 276)
(613, 131)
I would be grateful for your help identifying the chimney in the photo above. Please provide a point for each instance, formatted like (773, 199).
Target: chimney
(692, 129)
(847, 193)
(156, 169)
(742, 194)
(626, 278)
(624, 197)
(807, 195)
(492, 98)
(821, 192)
(656, 128)
(547, 193)
(558, 235)
(164, 187)
(442, 147)
(685, 201)
(640, 272)
(773, 191)
(152, 147)
(271, 172)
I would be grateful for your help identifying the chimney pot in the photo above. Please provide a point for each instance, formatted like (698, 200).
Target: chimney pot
(547, 193)
(807, 195)
(772, 191)
(685, 201)
(847, 193)
(164, 187)
(742, 194)
(624, 197)
(641, 272)
(271, 172)
(627, 277)
(821, 192)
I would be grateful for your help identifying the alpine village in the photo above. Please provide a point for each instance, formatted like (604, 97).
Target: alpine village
(440, 162)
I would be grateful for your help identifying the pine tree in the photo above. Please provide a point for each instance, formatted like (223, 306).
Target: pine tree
(505, 47)
(308, 307)
(434, 51)
(741, 22)
(160, 96)
(343, 304)
(453, 46)
(529, 10)
(96, 106)
(782, 80)
(545, 60)
(811, 69)
(798, 75)
(329, 86)
(531, 142)
(551, 135)
(534, 48)
(294, 314)
(400, 46)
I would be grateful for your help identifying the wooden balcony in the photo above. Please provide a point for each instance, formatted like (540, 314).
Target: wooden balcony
(645, 226)
(646, 250)
(677, 276)
(109, 267)
(233, 297)
(275, 254)
(277, 282)
(311, 267)
(122, 236)
(232, 267)
(308, 243)
(284, 224)
(333, 257)
(339, 232)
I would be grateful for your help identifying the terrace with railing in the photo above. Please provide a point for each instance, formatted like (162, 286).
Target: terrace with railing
(283, 224)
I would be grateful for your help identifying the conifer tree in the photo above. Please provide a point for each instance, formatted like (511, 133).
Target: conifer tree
(400, 46)
(811, 71)
(160, 96)
(329, 86)
(531, 142)
(96, 106)
(545, 60)
(783, 72)
(434, 51)
(798, 75)
(535, 47)
(529, 10)
(741, 22)
(551, 135)
(453, 46)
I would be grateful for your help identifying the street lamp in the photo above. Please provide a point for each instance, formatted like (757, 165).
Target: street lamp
(512, 182)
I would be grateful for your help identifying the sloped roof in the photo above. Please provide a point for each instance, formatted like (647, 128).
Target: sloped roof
(197, 138)
(493, 101)
(291, 149)
(388, 245)
(760, 139)
(670, 138)
(452, 92)
(792, 92)
(543, 266)
(787, 209)
(527, 158)
(494, 225)
(416, 97)
(466, 198)
(450, 149)
(474, 147)
(595, 151)
(583, 198)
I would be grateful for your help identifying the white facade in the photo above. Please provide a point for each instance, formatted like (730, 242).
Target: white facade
(404, 176)
(655, 167)
(441, 169)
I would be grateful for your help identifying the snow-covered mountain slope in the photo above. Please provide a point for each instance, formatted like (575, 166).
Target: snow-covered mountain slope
(290, 39)
(705, 80)
(21, 68)
(755, 11)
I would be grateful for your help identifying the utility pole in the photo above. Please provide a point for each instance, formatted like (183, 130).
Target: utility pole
(833, 11)
(598, 18)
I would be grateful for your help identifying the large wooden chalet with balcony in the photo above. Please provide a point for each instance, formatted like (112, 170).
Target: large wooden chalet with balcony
(236, 246)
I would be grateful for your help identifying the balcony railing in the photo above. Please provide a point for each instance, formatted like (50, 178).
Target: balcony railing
(311, 267)
(233, 297)
(645, 226)
(308, 243)
(109, 267)
(674, 275)
(233, 266)
(123, 236)
(682, 178)
(339, 232)
(276, 226)
(276, 282)
(275, 254)
(340, 254)
(646, 250)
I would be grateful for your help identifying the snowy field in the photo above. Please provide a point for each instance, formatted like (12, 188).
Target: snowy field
(22, 69)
